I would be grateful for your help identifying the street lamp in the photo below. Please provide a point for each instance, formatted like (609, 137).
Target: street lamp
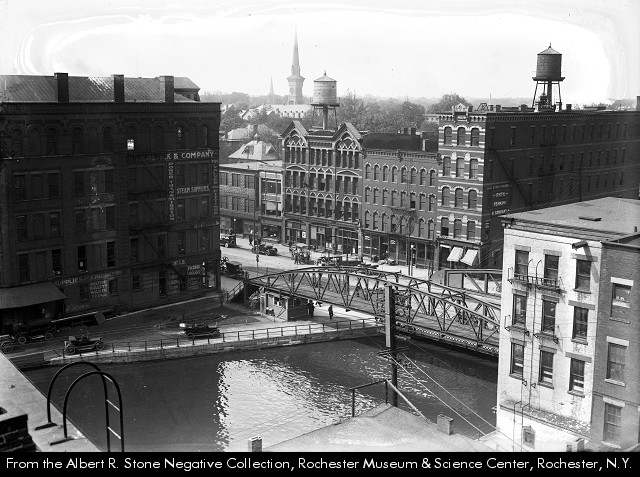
(412, 253)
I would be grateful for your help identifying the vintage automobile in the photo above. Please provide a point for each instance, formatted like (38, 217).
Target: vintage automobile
(82, 343)
(7, 344)
(199, 330)
(264, 249)
(227, 240)
(232, 268)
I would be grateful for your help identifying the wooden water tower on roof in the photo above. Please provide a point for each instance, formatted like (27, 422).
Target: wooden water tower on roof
(548, 74)
(325, 97)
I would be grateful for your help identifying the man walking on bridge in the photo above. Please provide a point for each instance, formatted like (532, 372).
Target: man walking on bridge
(331, 312)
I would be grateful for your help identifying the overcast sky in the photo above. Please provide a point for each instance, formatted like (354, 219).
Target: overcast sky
(393, 48)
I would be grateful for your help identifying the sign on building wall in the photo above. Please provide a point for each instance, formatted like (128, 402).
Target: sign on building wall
(500, 198)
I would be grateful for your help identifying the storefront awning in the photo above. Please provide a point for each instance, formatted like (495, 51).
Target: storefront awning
(27, 295)
(455, 254)
(469, 257)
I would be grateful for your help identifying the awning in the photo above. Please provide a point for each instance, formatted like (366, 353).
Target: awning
(26, 295)
(470, 256)
(455, 254)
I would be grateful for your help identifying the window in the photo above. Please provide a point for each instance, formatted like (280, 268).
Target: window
(38, 226)
(612, 422)
(580, 323)
(583, 275)
(113, 287)
(522, 264)
(460, 167)
(432, 203)
(576, 376)
(517, 359)
(548, 316)
(52, 142)
(528, 436)
(532, 135)
(403, 175)
(78, 183)
(248, 182)
(616, 362)
(459, 198)
(36, 186)
(444, 227)
(546, 367)
(551, 268)
(473, 199)
(475, 137)
(110, 217)
(519, 310)
(21, 228)
(56, 261)
(111, 254)
(19, 189)
(446, 166)
(471, 230)
(423, 177)
(473, 169)
(432, 178)
(394, 174)
(512, 140)
(621, 295)
(81, 251)
(447, 136)
(461, 136)
(81, 221)
(413, 176)
(77, 139)
(457, 228)
(367, 171)
(135, 282)
(53, 179)
(445, 196)
(180, 138)
(135, 252)
(385, 173)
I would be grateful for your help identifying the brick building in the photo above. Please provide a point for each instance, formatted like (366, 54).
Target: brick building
(504, 160)
(400, 186)
(109, 193)
(569, 341)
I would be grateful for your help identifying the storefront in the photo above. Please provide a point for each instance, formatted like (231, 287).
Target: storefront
(295, 232)
(346, 241)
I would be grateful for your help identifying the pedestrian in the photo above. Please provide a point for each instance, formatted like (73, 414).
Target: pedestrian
(310, 309)
(250, 239)
(331, 312)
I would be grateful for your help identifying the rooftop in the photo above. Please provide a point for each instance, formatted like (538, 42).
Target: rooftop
(254, 166)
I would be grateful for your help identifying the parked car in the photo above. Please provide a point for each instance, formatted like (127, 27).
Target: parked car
(232, 268)
(264, 249)
(199, 330)
(227, 240)
(82, 343)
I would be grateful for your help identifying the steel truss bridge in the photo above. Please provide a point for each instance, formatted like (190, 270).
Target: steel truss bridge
(455, 316)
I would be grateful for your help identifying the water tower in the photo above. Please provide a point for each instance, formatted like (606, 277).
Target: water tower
(325, 98)
(548, 74)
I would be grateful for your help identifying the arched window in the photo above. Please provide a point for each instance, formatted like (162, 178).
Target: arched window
(94, 143)
(144, 139)
(471, 230)
(447, 136)
(414, 174)
(367, 194)
(430, 230)
(375, 221)
(78, 141)
(385, 173)
(403, 199)
(107, 139)
(385, 196)
(376, 193)
(367, 171)
(394, 224)
(181, 138)
(403, 175)
(367, 219)
(460, 167)
(473, 199)
(432, 203)
(421, 227)
(444, 227)
(34, 142)
(423, 177)
(394, 198)
(475, 137)
(52, 142)
(423, 202)
(394, 174)
(461, 136)
(457, 228)
(158, 138)
(383, 222)
(446, 166)
(445, 197)
(473, 169)
(459, 198)
(432, 178)
(16, 143)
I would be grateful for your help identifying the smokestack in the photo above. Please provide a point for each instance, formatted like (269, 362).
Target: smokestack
(168, 88)
(62, 81)
(118, 88)
(637, 103)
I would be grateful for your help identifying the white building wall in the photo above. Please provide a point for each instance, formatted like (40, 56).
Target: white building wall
(556, 398)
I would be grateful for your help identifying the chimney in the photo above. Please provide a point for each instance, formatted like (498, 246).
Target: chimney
(168, 88)
(523, 107)
(118, 88)
(470, 109)
(62, 80)
(405, 131)
(498, 108)
(413, 131)
(569, 106)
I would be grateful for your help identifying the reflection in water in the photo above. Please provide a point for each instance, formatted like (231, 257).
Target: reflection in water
(218, 402)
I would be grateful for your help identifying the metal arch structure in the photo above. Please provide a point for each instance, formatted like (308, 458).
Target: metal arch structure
(460, 317)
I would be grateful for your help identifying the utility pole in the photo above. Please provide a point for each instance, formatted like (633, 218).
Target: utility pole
(390, 330)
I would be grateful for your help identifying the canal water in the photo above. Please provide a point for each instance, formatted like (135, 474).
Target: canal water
(217, 402)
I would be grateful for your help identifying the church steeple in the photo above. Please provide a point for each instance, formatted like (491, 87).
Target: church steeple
(295, 80)
(272, 96)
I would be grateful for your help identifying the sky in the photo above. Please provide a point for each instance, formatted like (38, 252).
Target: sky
(387, 48)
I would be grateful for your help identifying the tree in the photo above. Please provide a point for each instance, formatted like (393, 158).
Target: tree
(446, 102)
(231, 120)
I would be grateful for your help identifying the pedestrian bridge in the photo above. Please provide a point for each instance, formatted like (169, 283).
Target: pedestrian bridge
(461, 317)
